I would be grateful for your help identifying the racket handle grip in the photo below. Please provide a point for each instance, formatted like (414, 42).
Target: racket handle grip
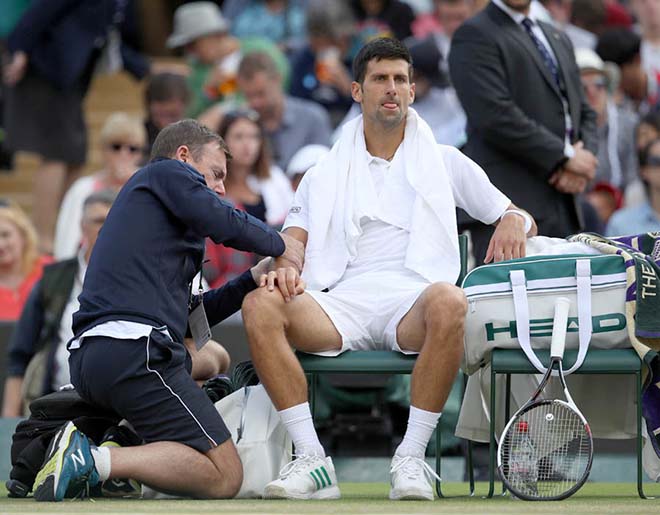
(562, 305)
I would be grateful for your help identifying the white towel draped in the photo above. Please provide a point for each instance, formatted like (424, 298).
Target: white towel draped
(340, 194)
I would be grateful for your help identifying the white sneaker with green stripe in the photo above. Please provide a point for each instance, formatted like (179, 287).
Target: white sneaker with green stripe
(306, 477)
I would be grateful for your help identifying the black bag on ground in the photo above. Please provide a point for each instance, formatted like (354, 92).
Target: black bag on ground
(220, 386)
(32, 436)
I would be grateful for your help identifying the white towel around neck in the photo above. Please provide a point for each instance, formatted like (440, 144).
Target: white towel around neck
(336, 203)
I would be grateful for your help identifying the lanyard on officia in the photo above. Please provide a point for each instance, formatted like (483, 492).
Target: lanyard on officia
(197, 321)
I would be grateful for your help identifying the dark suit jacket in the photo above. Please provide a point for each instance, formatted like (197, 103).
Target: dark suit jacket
(516, 124)
(61, 37)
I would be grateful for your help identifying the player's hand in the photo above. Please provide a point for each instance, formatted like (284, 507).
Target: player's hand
(286, 279)
(509, 240)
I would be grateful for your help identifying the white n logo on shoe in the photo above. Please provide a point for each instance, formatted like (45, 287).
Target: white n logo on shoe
(320, 477)
(78, 459)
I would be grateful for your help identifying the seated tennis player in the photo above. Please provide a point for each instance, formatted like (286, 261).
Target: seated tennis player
(377, 217)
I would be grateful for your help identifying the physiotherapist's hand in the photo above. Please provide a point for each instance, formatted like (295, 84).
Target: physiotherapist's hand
(286, 279)
(509, 240)
(294, 253)
(261, 269)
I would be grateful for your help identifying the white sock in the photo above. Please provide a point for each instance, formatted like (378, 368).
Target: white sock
(101, 457)
(298, 422)
(421, 424)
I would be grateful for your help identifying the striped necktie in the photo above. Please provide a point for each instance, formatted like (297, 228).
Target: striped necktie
(545, 54)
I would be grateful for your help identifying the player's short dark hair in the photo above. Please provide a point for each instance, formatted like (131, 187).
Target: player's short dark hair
(186, 132)
(380, 48)
(619, 46)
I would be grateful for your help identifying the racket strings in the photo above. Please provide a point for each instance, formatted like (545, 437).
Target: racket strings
(546, 451)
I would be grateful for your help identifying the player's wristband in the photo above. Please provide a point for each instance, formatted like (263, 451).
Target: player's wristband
(526, 217)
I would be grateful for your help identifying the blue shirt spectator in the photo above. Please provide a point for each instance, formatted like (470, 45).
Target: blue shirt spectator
(281, 22)
(290, 123)
(633, 220)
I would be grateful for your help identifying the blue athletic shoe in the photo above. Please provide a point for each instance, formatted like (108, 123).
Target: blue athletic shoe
(68, 468)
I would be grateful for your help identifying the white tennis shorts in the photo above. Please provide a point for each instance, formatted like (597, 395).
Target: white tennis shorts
(367, 309)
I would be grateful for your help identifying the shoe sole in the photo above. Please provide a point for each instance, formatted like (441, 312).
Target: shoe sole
(276, 492)
(416, 495)
(45, 486)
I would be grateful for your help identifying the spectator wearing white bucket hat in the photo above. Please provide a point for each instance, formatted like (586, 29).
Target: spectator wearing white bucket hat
(213, 53)
(303, 160)
(617, 158)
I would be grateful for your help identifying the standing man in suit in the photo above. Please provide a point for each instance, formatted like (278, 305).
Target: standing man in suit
(529, 125)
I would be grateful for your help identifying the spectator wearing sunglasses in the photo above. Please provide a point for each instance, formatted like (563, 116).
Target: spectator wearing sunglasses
(615, 125)
(644, 217)
(123, 140)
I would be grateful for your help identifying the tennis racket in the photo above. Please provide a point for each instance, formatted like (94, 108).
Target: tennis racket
(546, 449)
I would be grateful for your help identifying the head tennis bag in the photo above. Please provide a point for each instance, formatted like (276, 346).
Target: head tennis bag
(510, 305)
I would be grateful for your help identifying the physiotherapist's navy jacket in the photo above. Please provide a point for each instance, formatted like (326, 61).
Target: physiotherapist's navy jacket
(152, 245)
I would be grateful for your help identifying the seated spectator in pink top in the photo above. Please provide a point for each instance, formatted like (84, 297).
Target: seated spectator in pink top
(253, 184)
(123, 140)
(20, 263)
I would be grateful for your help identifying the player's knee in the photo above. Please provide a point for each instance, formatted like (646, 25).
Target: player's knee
(445, 302)
(260, 305)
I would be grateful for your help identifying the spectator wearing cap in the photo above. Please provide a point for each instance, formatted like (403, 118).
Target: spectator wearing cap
(290, 123)
(302, 161)
(435, 101)
(615, 125)
(321, 71)
(213, 54)
(644, 217)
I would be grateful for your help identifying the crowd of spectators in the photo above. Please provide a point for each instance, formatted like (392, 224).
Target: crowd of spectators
(273, 77)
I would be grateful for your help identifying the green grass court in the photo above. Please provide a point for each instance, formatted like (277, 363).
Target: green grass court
(593, 498)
